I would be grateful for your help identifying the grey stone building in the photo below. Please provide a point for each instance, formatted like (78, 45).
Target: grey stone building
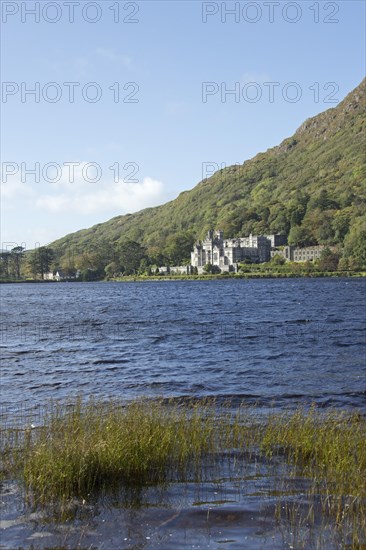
(297, 254)
(227, 253)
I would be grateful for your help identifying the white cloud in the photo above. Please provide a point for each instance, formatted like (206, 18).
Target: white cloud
(114, 57)
(53, 203)
(75, 197)
(87, 198)
(14, 189)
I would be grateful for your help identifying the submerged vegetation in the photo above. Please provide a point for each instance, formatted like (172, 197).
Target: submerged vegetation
(87, 448)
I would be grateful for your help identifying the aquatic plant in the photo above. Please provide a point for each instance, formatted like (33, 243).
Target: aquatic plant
(329, 449)
(87, 447)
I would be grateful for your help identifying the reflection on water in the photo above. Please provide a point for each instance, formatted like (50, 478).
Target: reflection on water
(249, 505)
(284, 341)
(273, 343)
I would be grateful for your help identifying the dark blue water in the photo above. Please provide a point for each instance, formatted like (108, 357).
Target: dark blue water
(277, 343)
(281, 342)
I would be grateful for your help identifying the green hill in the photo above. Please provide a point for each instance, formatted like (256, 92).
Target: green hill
(310, 187)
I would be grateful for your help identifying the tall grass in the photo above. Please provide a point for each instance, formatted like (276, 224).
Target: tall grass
(81, 449)
(95, 445)
(330, 450)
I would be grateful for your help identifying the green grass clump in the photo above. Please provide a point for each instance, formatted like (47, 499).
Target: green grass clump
(97, 445)
(330, 449)
(84, 448)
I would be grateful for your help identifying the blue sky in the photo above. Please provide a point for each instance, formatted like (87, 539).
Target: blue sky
(173, 116)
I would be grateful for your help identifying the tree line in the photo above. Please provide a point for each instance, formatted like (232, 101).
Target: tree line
(104, 259)
(107, 259)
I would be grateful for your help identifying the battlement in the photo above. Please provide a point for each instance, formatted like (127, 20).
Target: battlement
(227, 253)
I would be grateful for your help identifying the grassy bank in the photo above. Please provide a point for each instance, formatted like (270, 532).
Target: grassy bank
(91, 447)
(250, 274)
(268, 274)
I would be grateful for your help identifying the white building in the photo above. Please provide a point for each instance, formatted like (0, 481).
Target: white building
(227, 253)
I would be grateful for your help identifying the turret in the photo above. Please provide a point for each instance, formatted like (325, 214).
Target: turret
(219, 235)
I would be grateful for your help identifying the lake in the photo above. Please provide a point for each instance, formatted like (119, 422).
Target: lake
(273, 343)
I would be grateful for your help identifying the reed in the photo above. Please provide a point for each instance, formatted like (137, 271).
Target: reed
(329, 449)
(87, 447)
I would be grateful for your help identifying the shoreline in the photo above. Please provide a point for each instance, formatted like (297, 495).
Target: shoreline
(236, 276)
(208, 277)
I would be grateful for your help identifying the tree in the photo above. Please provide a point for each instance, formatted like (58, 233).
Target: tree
(95, 256)
(296, 209)
(144, 265)
(40, 260)
(112, 269)
(16, 256)
(328, 260)
(278, 221)
(355, 243)
(324, 233)
(209, 268)
(278, 260)
(130, 254)
(179, 247)
(156, 257)
(341, 221)
(322, 201)
(91, 275)
(299, 236)
(4, 263)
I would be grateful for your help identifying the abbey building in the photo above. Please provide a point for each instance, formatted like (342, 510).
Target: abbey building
(226, 254)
